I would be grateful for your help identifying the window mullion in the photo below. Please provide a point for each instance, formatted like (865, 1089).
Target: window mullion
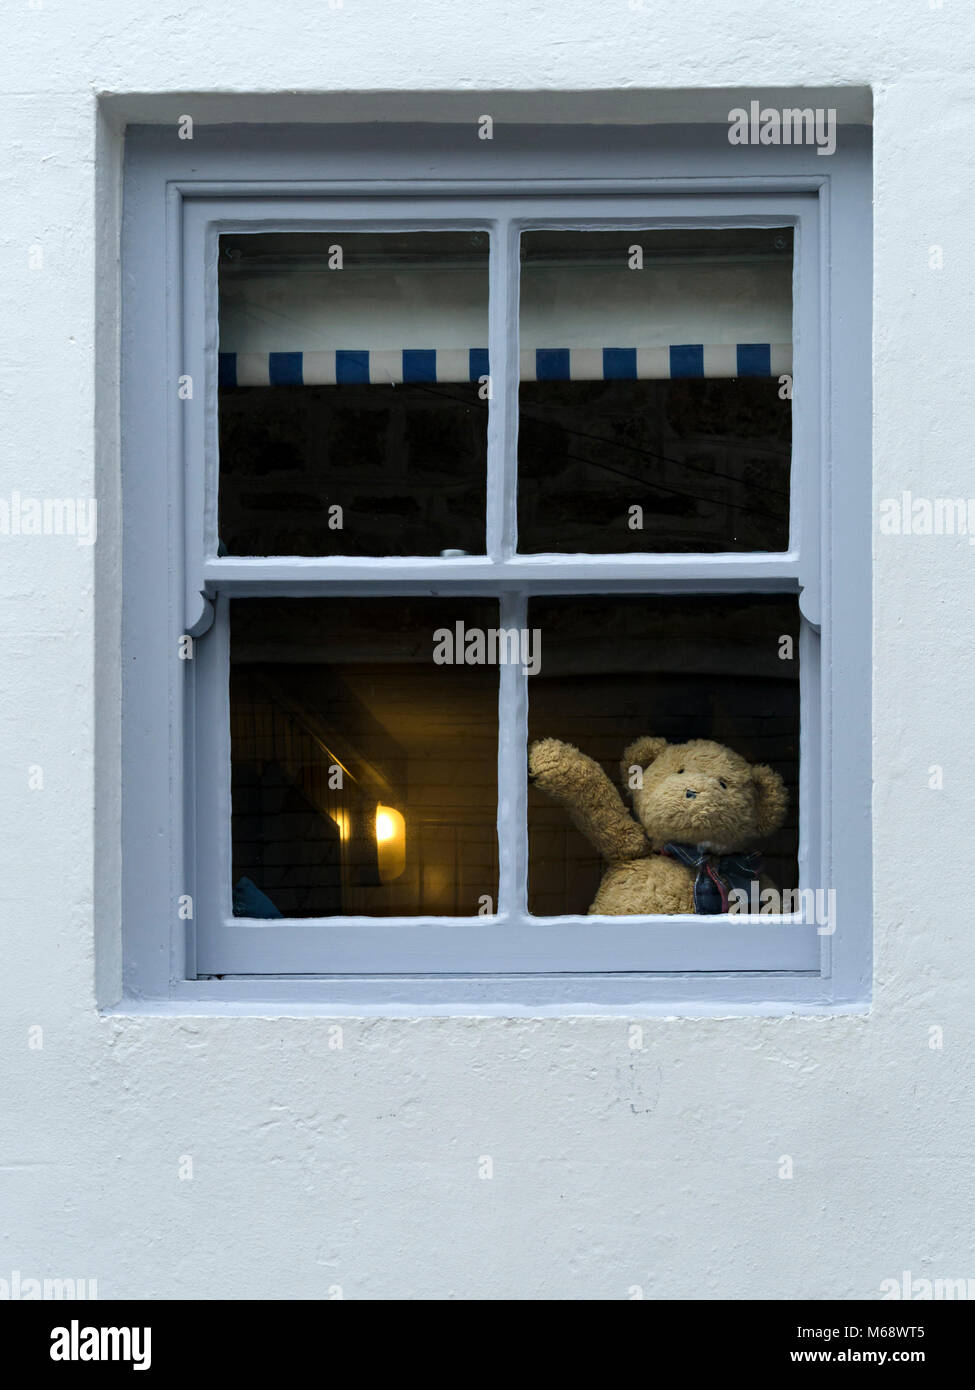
(502, 506)
(512, 774)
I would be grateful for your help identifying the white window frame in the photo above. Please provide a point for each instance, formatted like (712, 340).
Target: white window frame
(176, 760)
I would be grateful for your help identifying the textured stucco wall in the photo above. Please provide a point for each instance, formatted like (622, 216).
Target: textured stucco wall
(360, 1167)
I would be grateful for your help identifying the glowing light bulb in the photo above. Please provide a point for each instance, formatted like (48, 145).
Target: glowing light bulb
(390, 842)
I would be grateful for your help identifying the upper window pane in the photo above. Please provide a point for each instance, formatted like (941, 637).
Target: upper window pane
(353, 420)
(652, 414)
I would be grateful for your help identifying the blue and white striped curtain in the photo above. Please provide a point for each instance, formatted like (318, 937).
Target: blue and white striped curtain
(391, 367)
(384, 327)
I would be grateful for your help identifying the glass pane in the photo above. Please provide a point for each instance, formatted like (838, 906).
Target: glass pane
(614, 669)
(364, 772)
(351, 403)
(655, 397)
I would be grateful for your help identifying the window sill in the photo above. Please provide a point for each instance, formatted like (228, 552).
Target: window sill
(725, 996)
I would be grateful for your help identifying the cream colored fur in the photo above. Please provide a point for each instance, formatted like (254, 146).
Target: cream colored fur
(735, 804)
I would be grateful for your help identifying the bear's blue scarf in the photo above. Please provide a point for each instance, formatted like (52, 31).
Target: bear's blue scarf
(716, 877)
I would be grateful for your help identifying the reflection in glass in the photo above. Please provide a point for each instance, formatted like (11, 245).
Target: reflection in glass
(352, 401)
(655, 396)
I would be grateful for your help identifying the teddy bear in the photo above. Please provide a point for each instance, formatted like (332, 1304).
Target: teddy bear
(698, 809)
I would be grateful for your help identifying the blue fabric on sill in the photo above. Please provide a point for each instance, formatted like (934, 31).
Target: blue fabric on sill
(249, 901)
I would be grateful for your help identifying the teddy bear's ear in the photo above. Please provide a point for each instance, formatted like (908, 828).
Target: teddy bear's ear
(772, 799)
(641, 753)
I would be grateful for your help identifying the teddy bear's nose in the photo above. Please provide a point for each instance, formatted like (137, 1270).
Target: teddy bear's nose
(690, 795)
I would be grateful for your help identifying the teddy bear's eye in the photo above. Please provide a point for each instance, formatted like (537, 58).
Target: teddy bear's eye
(722, 783)
(680, 772)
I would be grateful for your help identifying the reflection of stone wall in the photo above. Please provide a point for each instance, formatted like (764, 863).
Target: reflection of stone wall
(707, 460)
(406, 463)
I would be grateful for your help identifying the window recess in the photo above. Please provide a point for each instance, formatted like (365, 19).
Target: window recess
(584, 430)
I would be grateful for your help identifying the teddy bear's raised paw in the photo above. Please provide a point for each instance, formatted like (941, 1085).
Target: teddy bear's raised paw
(547, 758)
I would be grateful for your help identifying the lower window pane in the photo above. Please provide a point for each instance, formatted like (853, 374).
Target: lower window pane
(364, 772)
(614, 669)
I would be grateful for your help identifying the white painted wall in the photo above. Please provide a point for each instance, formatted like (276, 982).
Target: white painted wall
(316, 1167)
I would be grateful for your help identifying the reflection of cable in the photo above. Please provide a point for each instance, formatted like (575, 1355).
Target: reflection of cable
(678, 492)
(649, 453)
(633, 448)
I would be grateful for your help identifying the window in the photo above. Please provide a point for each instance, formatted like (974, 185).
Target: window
(462, 462)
